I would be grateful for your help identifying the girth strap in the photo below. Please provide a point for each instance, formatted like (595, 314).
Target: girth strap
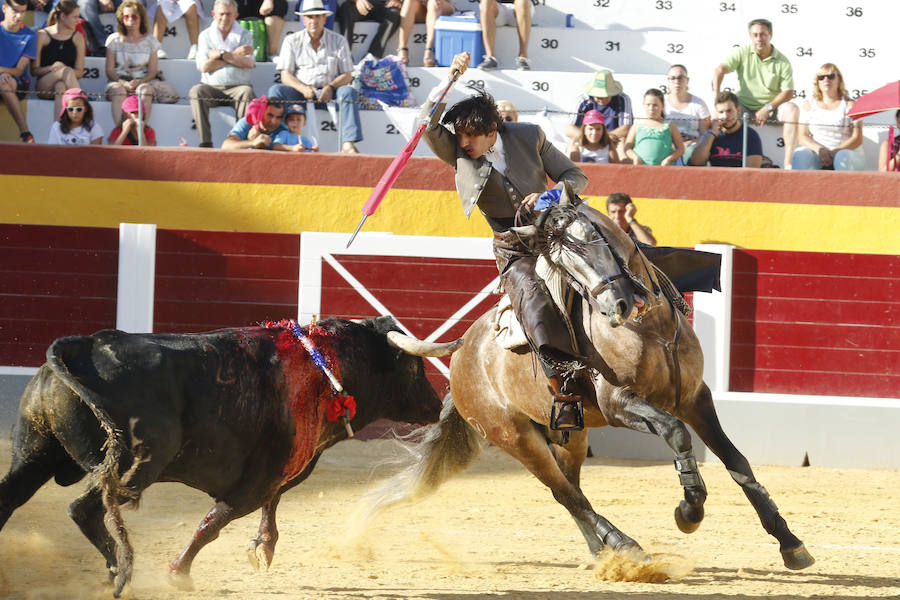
(671, 349)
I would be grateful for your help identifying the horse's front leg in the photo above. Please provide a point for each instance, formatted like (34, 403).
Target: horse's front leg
(624, 408)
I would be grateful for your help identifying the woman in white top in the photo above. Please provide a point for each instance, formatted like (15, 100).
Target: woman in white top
(131, 61)
(76, 125)
(689, 113)
(828, 138)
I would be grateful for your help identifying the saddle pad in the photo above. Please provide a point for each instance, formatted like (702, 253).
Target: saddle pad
(507, 330)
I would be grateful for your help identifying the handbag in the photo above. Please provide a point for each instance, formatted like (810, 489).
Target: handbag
(257, 29)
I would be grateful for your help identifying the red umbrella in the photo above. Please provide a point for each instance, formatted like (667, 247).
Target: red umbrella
(884, 98)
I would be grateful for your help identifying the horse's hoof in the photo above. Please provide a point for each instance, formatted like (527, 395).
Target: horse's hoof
(797, 558)
(684, 525)
(181, 581)
(252, 555)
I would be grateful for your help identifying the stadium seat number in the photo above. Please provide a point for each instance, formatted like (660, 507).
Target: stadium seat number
(867, 52)
(360, 38)
(854, 11)
(390, 129)
(170, 32)
(540, 86)
(726, 7)
(789, 9)
(854, 94)
(663, 4)
(277, 77)
(414, 82)
(550, 43)
(91, 73)
(109, 29)
(601, 3)
(611, 46)
(801, 51)
(418, 38)
(328, 126)
(675, 48)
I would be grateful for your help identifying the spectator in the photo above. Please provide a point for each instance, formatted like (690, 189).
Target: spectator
(132, 65)
(126, 132)
(654, 141)
(723, 143)
(604, 94)
(272, 12)
(496, 13)
(260, 128)
(76, 125)
(293, 140)
(419, 11)
(594, 145)
(59, 56)
(316, 65)
(168, 11)
(225, 61)
(508, 111)
(689, 113)
(765, 83)
(829, 139)
(621, 209)
(384, 12)
(17, 48)
(889, 151)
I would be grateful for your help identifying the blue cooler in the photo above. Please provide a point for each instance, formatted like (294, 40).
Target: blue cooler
(455, 34)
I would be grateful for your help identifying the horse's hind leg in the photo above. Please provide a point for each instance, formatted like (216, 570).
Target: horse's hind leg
(530, 448)
(627, 409)
(706, 423)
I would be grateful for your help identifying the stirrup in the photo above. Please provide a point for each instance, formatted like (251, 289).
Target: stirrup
(555, 411)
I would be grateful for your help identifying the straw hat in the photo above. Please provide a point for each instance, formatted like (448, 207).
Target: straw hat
(313, 7)
(602, 85)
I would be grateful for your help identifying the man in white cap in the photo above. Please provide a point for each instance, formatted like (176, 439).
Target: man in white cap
(316, 65)
(604, 94)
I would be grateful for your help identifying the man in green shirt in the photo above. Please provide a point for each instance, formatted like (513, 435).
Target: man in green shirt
(766, 83)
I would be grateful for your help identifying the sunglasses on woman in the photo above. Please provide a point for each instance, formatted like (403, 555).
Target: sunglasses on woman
(75, 109)
(828, 76)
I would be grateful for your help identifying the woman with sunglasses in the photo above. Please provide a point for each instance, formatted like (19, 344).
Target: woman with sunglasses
(76, 125)
(828, 138)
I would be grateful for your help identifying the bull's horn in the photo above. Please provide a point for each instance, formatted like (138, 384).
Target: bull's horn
(417, 347)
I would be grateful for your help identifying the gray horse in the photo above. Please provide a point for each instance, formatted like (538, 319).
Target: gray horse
(645, 373)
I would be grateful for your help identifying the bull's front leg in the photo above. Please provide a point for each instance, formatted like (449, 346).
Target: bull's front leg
(262, 548)
(180, 568)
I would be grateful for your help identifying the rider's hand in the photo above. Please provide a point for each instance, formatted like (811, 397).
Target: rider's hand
(460, 62)
(530, 199)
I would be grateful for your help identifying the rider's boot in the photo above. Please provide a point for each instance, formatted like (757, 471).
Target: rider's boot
(567, 412)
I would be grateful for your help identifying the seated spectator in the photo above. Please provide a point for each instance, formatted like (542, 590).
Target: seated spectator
(17, 48)
(765, 83)
(508, 111)
(59, 60)
(126, 132)
(687, 111)
(594, 145)
(829, 139)
(502, 13)
(260, 128)
(132, 65)
(93, 30)
(889, 151)
(421, 11)
(384, 12)
(272, 12)
(168, 11)
(76, 125)
(654, 141)
(316, 65)
(722, 145)
(293, 140)
(621, 209)
(225, 61)
(604, 94)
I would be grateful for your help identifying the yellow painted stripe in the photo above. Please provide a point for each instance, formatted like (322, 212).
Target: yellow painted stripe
(296, 208)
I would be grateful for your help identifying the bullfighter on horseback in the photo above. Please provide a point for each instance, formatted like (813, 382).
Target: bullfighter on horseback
(502, 168)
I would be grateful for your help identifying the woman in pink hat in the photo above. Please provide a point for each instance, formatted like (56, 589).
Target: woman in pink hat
(76, 125)
(126, 132)
(594, 144)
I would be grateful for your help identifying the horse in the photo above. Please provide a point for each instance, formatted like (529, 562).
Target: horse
(645, 373)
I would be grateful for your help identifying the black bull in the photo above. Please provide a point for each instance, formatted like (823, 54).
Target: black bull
(236, 413)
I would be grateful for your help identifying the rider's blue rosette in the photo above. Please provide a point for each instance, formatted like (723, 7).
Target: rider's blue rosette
(547, 198)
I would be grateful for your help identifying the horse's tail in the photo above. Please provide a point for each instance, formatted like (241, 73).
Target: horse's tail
(105, 476)
(448, 447)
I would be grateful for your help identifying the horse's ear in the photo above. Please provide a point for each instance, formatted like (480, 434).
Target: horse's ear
(568, 195)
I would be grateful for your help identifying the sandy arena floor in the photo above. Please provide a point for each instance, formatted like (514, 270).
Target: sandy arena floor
(493, 532)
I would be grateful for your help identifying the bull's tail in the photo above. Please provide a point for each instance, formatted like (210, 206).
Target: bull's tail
(447, 448)
(105, 476)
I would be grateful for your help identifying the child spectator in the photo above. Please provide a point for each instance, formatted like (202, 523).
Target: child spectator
(126, 132)
(131, 61)
(828, 138)
(419, 11)
(17, 48)
(889, 152)
(594, 145)
(59, 56)
(76, 125)
(293, 140)
(508, 111)
(689, 113)
(654, 141)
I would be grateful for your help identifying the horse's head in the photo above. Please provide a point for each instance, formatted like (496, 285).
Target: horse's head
(569, 240)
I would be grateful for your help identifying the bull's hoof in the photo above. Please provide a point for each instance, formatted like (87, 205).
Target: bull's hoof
(797, 558)
(685, 525)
